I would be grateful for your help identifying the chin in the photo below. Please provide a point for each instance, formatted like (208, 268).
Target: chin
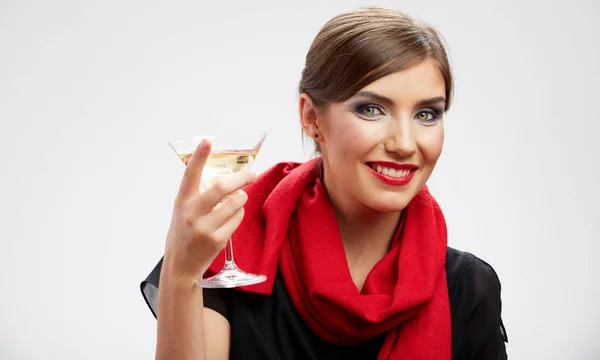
(386, 206)
(387, 199)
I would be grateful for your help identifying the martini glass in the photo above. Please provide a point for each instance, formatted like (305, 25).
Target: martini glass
(229, 154)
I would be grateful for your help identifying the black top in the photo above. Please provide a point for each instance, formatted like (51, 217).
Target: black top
(270, 328)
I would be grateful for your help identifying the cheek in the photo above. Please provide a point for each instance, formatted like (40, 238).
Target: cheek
(349, 135)
(431, 143)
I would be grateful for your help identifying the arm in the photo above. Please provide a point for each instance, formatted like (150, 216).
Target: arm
(484, 336)
(182, 321)
(199, 230)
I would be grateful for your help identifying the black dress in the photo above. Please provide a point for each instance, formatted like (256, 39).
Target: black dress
(269, 328)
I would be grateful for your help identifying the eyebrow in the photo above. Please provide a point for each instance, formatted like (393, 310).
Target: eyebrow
(387, 101)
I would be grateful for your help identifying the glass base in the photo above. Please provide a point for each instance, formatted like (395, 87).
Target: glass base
(230, 278)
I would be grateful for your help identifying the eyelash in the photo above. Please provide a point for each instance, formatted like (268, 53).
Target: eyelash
(435, 113)
(360, 107)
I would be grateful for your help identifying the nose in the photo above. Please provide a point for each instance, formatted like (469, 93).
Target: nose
(401, 138)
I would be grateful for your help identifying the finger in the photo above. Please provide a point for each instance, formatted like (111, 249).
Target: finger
(190, 183)
(227, 229)
(221, 188)
(225, 210)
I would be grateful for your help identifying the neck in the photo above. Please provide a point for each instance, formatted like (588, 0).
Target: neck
(366, 233)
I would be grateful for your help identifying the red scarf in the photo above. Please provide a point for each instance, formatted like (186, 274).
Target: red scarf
(290, 224)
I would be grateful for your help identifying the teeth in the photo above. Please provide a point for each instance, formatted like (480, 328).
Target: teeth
(390, 172)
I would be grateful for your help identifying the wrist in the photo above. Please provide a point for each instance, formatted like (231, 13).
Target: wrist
(171, 278)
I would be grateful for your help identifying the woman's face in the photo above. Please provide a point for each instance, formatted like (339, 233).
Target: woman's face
(380, 146)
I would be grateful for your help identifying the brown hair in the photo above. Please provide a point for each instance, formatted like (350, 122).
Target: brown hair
(356, 48)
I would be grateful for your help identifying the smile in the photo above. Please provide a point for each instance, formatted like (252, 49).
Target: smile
(392, 173)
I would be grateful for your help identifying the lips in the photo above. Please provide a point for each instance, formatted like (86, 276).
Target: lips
(392, 173)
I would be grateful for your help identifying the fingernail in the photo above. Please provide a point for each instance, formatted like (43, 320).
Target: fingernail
(203, 144)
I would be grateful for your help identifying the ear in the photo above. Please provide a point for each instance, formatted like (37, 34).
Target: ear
(309, 118)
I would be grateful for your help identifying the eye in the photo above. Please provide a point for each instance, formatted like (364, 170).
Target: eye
(369, 111)
(424, 116)
(428, 116)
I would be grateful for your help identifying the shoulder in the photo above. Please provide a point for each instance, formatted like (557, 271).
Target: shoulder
(472, 279)
(464, 266)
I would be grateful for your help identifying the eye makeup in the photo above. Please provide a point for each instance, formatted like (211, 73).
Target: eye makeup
(368, 111)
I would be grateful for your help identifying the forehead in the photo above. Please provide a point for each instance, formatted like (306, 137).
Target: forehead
(422, 81)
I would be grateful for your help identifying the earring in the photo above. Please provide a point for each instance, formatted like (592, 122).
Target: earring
(316, 136)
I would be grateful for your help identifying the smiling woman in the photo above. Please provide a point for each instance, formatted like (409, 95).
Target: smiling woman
(393, 123)
(353, 244)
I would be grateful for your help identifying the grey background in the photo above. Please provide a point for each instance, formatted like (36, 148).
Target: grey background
(90, 92)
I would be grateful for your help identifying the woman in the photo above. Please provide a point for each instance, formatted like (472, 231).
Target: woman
(353, 244)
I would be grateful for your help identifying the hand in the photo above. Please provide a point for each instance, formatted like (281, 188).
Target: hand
(202, 223)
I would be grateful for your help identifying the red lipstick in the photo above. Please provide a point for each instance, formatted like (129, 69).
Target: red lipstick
(392, 180)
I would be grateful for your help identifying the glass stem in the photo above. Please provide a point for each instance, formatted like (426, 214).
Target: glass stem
(229, 263)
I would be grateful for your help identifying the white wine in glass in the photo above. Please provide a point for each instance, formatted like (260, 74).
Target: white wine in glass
(221, 163)
(229, 154)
